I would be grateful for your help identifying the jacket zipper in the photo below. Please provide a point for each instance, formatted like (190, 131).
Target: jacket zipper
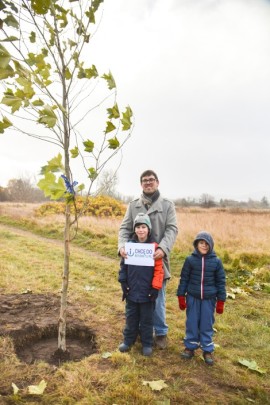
(202, 278)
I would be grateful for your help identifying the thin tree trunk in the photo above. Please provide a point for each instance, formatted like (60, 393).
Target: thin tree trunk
(63, 307)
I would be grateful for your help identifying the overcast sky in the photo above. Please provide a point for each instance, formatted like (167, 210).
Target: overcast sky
(196, 74)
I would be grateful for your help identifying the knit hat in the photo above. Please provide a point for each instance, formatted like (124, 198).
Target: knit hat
(203, 235)
(142, 218)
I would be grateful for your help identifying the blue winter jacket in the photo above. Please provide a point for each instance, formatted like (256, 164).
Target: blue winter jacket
(141, 279)
(203, 276)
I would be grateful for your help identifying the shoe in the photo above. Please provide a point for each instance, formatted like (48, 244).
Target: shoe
(161, 342)
(208, 358)
(147, 351)
(123, 348)
(187, 354)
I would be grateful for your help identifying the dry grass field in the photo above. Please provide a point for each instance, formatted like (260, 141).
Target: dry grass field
(31, 264)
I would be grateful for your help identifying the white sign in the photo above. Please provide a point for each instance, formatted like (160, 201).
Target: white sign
(140, 253)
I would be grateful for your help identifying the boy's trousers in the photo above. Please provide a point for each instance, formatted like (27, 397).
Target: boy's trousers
(139, 320)
(199, 324)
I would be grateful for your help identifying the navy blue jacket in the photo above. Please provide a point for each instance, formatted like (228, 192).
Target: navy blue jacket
(203, 276)
(141, 279)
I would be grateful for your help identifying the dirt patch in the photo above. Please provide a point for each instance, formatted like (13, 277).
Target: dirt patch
(31, 320)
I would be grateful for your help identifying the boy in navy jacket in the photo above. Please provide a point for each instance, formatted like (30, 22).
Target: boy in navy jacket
(140, 285)
(201, 290)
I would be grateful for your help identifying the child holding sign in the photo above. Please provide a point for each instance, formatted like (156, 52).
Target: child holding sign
(140, 283)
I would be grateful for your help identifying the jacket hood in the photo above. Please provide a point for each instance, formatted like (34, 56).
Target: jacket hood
(203, 235)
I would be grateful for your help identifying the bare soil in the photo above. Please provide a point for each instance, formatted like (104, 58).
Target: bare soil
(31, 320)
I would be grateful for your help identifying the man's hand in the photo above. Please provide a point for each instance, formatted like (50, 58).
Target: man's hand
(123, 253)
(159, 254)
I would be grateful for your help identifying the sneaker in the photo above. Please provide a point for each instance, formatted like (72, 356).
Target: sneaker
(123, 348)
(187, 354)
(161, 342)
(147, 351)
(208, 358)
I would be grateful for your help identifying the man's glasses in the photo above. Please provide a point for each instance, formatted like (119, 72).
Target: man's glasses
(151, 180)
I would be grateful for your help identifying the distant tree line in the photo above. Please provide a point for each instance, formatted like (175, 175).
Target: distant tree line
(208, 201)
(21, 190)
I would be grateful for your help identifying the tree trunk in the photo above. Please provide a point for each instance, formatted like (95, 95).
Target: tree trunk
(63, 307)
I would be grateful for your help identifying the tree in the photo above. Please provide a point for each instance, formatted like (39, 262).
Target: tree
(50, 94)
(207, 201)
(107, 183)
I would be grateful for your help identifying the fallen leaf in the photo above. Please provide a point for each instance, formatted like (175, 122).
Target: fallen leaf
(15, 389)
(156, 385)
(89, 288)
(37, 389)
(106, 355)
(252, 365)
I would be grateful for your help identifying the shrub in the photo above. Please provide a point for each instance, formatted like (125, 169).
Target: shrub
(100, 206)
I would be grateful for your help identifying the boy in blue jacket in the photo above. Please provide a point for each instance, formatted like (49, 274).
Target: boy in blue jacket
(140, 285)
(201, 290)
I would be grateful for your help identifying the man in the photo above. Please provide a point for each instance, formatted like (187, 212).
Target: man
(164, 230)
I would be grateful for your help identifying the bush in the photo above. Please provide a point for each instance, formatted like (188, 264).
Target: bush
(100, 206)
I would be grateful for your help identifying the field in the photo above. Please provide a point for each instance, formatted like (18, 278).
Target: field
(31, 264)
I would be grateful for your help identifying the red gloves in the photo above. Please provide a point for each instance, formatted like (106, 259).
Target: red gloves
(219, 307)
(182, 302)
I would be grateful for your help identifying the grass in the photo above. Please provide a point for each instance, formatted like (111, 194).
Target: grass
(34, 259)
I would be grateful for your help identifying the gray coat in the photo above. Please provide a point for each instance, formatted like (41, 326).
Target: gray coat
(164, 226)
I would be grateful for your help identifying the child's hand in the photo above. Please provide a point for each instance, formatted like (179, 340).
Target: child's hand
(153, 294)
(125, 289)
(182, 302)
(220, 307)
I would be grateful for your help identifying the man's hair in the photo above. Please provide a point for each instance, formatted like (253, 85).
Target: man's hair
(148, 173)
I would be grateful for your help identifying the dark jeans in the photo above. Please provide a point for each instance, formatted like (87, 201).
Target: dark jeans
(139, 320)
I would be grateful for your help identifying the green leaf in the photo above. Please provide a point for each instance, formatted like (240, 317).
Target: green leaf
(6, 72)
(37, 389)
(71, 43)
(67, 74)
(52, 188)
(40, 6)
(74, 152)
(126, 119)
(10, 39)
(91, 72)
(54, 165)
(38, 103)
(96, 4)
(4, 57)
(4, 124)
(11, 101)
(11, 21)
(110, 127)
(113, 112)
(32, 37)
(252, 365)
(89, 146)
(92, 173)
(81, 187)
(110, 80)
(156, 385)
(113, 143)
(47, 117)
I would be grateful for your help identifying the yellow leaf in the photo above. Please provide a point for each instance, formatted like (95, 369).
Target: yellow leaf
(15, 388)
(37, 389)
(156, 385)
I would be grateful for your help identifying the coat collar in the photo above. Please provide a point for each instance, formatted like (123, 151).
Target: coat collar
(156, 206)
